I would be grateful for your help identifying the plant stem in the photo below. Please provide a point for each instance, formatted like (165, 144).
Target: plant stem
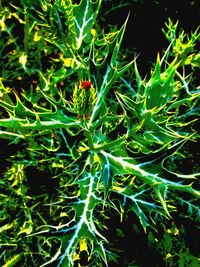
(88, 134)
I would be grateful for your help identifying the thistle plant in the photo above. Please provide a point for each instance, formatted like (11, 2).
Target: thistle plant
(105, 138)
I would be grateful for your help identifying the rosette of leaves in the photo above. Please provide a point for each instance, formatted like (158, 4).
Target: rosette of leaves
(114, 159)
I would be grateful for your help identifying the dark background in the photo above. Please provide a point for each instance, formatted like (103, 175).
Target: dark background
(147, 18)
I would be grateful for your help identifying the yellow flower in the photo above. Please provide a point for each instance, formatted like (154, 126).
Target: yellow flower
(83, 245)
(176, 231)
(68, 62)
(168, 256)
(37, 37)
(23, 60)
(93, 32)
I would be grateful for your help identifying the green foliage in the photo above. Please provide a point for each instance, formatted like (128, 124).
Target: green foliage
(184, 46)
(103, 141)
(172, 247)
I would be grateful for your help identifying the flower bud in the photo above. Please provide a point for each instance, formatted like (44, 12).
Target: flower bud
(84, 99)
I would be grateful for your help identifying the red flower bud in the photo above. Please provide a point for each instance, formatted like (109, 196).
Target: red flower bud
(86, 85)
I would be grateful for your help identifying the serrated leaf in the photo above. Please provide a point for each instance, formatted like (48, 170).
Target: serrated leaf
(85, 226)
(106, 177)
(118, 42)
(160, 88)
(161, 192)
(84, 18)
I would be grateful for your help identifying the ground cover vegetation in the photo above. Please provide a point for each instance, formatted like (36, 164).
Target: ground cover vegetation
(94, 155)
